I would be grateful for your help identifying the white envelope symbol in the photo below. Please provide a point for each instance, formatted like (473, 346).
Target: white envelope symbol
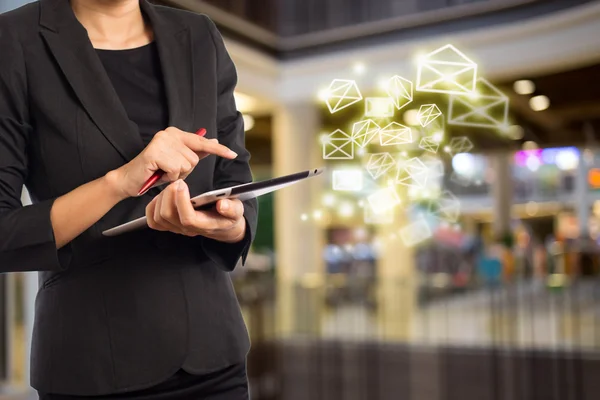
(446, 207)
(379, 164)
(379, 107)
(395, 133)
(415, 232)
(347, 180)
(446, 70)
(487, 108)
(461, 144)
(364, 131)
(429, 144)
(413, 173)
(342, 93)
(338, 145)
(400, 91)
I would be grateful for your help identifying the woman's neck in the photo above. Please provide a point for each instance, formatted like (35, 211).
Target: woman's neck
(113, 24)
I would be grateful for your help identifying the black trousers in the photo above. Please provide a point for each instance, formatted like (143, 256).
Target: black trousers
(230, 383)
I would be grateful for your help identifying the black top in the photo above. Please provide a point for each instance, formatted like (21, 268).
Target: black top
(137, 78)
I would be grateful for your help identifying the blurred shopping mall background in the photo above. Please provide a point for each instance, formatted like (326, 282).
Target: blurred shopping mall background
(502, 302)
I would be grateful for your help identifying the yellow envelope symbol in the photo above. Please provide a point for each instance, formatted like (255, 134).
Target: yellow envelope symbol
(379, 164)
(412, 173)
(429, 144)
(379, 107)
(342, 93)
(394, 134)
(415, 232)
(400, 91)
(487, 108)
(446, 70)
(338, 145)
(364, 131)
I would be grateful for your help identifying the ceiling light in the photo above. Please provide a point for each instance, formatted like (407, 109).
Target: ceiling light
(539, 103)
(515, 132)
(524, 87)
(359, 68)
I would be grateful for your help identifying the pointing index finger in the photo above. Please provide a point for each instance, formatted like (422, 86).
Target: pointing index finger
(200, 144)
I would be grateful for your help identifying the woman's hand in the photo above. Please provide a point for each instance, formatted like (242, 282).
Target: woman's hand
(173, 151)
(172, 211)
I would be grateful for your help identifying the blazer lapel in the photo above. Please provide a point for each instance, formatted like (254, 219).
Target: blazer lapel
(175, 51)
(68, 41)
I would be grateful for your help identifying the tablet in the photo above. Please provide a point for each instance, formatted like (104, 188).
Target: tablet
(242, 192)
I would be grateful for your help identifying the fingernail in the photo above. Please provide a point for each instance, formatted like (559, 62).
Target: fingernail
(233, 153)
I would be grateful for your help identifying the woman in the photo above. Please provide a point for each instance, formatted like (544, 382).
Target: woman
(95, 96)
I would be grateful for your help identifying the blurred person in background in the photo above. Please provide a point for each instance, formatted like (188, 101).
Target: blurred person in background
(96, 96)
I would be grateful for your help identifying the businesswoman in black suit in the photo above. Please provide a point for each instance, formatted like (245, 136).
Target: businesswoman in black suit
(95, 96)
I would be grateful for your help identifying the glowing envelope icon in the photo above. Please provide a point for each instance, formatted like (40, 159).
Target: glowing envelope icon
(395, 134)
(412, 173)
(383, 200)
(347, 180)
(379, 107)
(338, 145)
(379, 164)
(427, 114)
(342, 93)
(400, 91)
(446, 70)
(488, 108)
(415, 232)
(364, 131)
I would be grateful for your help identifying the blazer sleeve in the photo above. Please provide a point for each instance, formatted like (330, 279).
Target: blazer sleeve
(230, 126)
(27, 240)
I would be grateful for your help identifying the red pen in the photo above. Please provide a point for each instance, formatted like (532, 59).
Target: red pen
(158, 174)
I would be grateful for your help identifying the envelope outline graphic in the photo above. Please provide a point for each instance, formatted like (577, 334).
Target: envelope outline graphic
(460, 144)
(364, 131)
(415, 232)
(395, 134)
(428, 144)
(378, 218)
(383, 200)
(412, 173)
(347, 180)
(379, 107)
(446, 207)
(432, 63)
(338, 145)
(428, 113)
(397, 89)
(341, 90)
(482, 111)
(379, 164)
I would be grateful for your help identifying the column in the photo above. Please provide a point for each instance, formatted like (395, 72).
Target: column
(396, 283)
(502, 194)
(298, 244)
(581, 200)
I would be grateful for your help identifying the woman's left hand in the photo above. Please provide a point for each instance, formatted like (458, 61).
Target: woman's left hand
(172, 211)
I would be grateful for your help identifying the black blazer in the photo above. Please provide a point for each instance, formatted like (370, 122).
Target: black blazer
(124, 313)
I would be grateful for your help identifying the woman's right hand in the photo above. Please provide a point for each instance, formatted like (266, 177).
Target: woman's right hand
(173, 151)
